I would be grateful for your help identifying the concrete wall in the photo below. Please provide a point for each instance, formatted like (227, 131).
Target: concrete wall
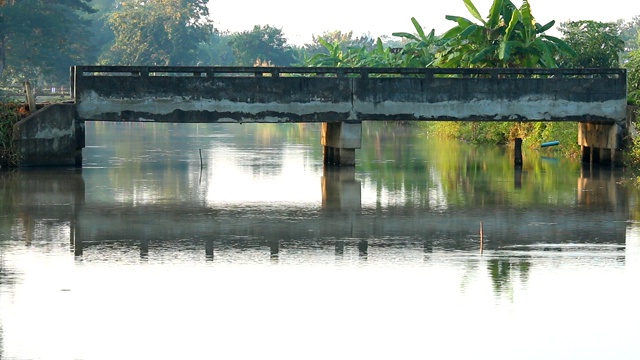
(50, 137)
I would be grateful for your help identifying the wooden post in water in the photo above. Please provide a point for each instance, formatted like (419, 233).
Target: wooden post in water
(208, 249)
(363, 248)
(339, 247)
(481, 238)
(77, 246)
(517, 153)
(274, 247)
(31, 99)
(144, 249)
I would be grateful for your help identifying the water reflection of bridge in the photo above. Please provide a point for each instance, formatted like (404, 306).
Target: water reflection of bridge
(598, 216)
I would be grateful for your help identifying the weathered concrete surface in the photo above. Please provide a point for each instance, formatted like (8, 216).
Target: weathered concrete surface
(521, 99)
(229, 99)
(50, 137)
(158, 94)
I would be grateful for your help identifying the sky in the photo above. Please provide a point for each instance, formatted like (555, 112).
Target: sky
(300, 20)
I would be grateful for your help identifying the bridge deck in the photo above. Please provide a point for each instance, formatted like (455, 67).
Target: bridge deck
(315, 94)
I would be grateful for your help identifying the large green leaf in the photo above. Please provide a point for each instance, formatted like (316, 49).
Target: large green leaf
(540, 29)
(471, 30)
(418, 27)
(507, 10)
(406, 35)
(482, 54)
(515, 18)
(460, 20)
(494, 14)
(528, 21)
(560, 44)
(547, 53)
(474, 12)
(451, 34)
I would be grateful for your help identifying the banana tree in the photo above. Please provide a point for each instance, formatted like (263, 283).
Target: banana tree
(419, 50)
(508, 37)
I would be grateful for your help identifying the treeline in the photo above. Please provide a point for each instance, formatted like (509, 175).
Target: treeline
(40, 39)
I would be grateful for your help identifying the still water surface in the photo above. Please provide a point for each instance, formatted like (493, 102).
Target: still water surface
(233, 242)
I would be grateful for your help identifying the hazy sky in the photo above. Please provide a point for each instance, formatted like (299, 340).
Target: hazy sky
(299, 20)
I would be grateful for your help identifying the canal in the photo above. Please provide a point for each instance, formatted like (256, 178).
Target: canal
(197, 241)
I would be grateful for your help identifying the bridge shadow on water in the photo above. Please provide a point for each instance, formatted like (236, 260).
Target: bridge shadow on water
(51, 205)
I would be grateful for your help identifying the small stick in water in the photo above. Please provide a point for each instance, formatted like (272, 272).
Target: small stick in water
(481, 239)
(201, 165)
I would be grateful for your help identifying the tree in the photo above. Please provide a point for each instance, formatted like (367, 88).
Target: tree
(216, 50)
(630, 33)
(509, 37)
(420, 49)
(101, 34)
(597, 44)
(158, 32)
(633, 76)
(40, 39)
(265, 44)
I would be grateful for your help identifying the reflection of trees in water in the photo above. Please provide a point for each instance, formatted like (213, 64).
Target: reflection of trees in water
(404, 160)
(504, 272)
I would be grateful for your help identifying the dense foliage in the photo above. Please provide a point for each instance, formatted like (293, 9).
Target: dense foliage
(10, 113)
(263, 45)
(158, 32)
(599, 44)
(40, 39)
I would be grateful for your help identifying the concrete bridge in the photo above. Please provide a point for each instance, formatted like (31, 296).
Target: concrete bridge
(339, 98)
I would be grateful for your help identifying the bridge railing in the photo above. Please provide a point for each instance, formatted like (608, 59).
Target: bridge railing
(362, 72)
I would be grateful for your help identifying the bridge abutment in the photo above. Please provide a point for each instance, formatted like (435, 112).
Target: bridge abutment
(51, 136)
(340, 141)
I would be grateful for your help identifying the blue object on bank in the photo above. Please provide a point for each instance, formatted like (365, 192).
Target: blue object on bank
(550, 143)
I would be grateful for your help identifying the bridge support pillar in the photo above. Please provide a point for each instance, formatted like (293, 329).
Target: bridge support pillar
(601, 143)
(340, 141)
